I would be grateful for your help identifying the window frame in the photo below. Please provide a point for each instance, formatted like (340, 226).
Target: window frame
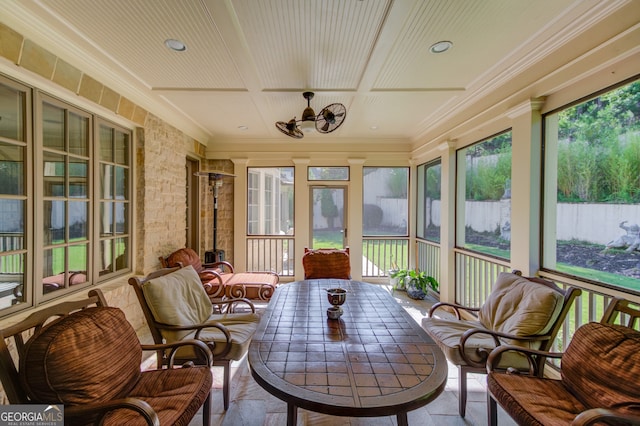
(35, 152)
(27, 249)
(408, 204)
(422, 172)
(259, 206)
(544, 195)
(461, 198)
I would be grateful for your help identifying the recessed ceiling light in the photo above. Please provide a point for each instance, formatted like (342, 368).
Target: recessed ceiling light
(440, 47)
(175, 45)
(374, 127)
(243, 128)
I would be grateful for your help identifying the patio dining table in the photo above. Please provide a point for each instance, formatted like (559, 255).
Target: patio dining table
(375, 360)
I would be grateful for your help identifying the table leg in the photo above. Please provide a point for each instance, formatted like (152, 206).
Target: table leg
(292, 415)
(402, 419)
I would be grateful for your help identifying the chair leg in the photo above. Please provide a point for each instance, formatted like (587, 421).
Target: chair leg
(225, 384)
(226, 379)
(206, 411)
(492, 410)
(462, 390)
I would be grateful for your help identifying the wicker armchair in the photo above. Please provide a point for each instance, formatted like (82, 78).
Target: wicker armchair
(177, 307)
(519, 311)
(599, 377)
(86, 356)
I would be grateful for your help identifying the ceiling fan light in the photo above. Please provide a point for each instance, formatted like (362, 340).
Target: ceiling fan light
(308, 126)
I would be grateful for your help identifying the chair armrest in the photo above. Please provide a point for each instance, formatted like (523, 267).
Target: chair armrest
(530, 354)
(595, 415)
(483, 353)
(199, 328)
(222, 264)
(199, 344)
(456, 308)
(230, 304)
(82, 412)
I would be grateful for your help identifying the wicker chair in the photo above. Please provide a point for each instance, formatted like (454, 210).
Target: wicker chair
(519, 311)
(599, 377)
(326, 263)
(87, 356)
(177, 307)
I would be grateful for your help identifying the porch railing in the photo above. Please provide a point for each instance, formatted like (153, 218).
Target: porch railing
(475, 275)
(271, 254)
(428, 258)
(379, 254)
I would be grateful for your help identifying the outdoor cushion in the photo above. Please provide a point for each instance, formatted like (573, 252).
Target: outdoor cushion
(447, 334)
(326, 263)
(184, 284)
(72, 359)
(614, 383)
(520, 307)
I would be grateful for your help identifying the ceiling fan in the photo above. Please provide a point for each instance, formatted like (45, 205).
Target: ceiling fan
(328, 120)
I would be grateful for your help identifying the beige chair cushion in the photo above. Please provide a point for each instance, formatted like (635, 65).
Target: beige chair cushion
(183, 285)
(447, 334)
(242, 327)
(90, 356)
(520, 307)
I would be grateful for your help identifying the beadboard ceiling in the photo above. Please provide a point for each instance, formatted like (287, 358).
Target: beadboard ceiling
(248, 61)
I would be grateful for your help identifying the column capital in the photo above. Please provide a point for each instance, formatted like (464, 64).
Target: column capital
(526, 107)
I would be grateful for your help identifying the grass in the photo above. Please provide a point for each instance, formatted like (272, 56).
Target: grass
(328, 239)
(491, 251)
(600, 276)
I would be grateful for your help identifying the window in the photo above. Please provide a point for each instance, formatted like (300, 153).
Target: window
(428, 218)
(65, 216)
(591, 217)
(385, 209)
(64, 198)
(483, 206)
(270, 200)
(328, 173)
(114, 198)
(15, 139)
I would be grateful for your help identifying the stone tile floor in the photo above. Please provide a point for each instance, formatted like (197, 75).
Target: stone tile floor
(251, 405)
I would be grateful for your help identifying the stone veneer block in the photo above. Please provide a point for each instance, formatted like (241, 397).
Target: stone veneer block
(36, 59)
(126, 108)
(90, 88)
(110, 99)
(67, 76)
(11, 43)
(139, 115)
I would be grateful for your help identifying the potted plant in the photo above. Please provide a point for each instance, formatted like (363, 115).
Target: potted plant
(417, 283)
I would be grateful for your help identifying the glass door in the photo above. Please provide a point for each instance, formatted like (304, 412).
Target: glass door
(328, 217)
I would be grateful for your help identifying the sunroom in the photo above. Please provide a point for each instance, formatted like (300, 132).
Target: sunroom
(478, 138)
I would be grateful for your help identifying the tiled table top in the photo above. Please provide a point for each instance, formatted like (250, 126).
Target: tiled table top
(374, 361)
